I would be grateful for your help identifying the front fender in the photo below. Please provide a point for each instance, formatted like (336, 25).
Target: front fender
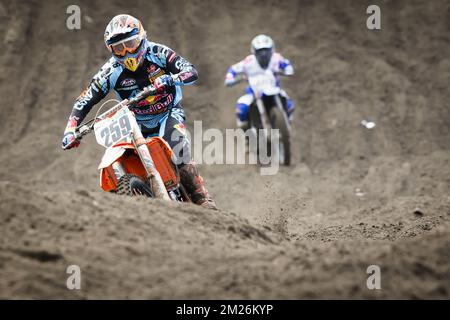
(272, 91)
(111, 155)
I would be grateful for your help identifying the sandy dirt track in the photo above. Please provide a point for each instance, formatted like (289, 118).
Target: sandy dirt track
(353, 197)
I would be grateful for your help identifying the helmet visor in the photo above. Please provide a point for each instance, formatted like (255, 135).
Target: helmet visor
(263, 56)
(130, 45)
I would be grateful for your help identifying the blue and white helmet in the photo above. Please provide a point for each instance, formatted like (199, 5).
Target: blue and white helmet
(262, 47)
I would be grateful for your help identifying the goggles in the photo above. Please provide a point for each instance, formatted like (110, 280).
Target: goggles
(128, 45)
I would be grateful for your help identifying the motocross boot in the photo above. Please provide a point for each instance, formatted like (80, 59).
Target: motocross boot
(195, 186)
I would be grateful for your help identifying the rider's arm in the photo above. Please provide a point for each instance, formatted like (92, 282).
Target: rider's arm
(183, 72)
(284, 66)
(233, 73)
(97, 89)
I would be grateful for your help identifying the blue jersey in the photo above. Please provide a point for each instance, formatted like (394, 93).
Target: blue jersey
(158, 60)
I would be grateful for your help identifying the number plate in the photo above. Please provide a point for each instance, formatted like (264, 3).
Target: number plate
(262, 82)
(112, 130)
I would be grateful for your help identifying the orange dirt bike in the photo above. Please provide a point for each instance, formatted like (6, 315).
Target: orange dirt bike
(133, 165)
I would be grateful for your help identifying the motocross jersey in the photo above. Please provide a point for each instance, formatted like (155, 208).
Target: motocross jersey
(250, 67)
(158, 60)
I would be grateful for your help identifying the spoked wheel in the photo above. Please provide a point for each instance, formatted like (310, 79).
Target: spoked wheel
(132, 185)
(278, 121)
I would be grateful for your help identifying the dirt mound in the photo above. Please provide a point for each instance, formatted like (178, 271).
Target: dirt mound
(354, 197)
(163, 246)
(154, 249)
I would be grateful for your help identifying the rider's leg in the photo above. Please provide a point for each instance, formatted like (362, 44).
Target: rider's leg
(242, 108)
(173, 131)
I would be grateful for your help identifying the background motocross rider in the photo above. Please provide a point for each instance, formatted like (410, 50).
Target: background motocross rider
(263, 57)
(136, 63)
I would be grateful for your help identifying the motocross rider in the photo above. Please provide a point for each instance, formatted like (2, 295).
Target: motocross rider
(263, 58)
(136, 63)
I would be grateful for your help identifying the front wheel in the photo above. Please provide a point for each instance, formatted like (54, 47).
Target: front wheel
(278, 121)
(132, 185)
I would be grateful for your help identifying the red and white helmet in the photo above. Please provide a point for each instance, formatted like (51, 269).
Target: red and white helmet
(125, 38)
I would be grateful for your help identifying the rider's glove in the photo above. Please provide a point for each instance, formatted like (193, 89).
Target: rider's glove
(163, 82)
(69, 141)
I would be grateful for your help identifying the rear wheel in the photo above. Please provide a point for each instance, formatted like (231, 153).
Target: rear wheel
(132, 185)
(278, 121)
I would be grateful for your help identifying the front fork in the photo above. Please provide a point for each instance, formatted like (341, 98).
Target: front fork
(153, 176)
(265, 121)
(263, 114)
(118, 169)
(280, 106)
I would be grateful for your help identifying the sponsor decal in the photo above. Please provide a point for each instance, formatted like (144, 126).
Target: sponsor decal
(185, 75)
(132, 63)
(127, 82)
(144, 108)
(152, 100)
(159, 73)
(84, 98)
(169, 183)
(96, 85)
(105, 72)
(181, 64)
(161, 52)
(180, 127)
(151, 69)
(151, 110)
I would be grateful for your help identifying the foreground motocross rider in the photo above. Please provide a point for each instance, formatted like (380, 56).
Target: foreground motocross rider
(263, 57)
(135, 64)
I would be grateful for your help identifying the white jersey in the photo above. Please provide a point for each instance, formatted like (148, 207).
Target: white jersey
(250, 67)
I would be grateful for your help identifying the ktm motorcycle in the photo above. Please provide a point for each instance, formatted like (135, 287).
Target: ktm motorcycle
(132, 164)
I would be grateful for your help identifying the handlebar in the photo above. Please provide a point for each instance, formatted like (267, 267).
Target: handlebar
(88, 126)
(243, 77)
